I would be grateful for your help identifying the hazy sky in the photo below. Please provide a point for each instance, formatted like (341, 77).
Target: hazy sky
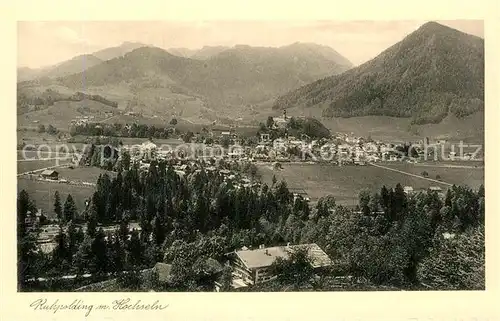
(46, 43)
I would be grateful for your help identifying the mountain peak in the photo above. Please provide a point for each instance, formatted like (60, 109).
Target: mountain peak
(434, 71)
(131, 43)
(432, 27)
(305, 44)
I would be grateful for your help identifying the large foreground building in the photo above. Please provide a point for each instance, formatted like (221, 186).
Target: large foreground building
(253, 266)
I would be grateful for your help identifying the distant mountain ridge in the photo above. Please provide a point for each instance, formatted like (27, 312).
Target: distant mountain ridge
(77, 64)
(208, 52)
(238, 75)
(117, 51)
(433, 72)
(182, 52)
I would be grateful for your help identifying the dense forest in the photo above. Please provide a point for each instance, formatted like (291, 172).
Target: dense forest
(122, 130)
(433, 72)
(295, 127)
(390, 239)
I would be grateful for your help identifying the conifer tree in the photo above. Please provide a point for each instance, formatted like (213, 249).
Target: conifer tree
(69, 209)
(57, 206)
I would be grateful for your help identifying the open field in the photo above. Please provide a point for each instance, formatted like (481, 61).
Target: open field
(61, 113)
(470, 176)
(346, 182)
(43, 193)
(450, 163)
(42, 154)
(23, 167)
(82, 174)
(33, 137)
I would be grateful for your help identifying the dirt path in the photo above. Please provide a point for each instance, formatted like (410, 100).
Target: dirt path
(410, 174)
(106, 119)
(448, 166)
(42, 159)
(42, 169)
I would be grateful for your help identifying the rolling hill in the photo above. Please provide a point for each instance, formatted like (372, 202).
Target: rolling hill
(182, 52)
(238, 76)
(208, 51)
(72, 66)
(199, 54)
(26, 73)
(433, 73)
(235, 83)
(76, 64)
(61, 113)
(117, 51)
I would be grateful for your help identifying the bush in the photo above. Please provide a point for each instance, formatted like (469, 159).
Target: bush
(456, 263)
(52, 130)
(130, 280)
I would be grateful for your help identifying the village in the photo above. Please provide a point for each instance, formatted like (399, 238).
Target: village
(190, 160)
(237, 159)
(237, 164)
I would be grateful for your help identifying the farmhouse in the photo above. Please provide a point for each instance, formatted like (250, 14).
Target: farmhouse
(50, 174)
(299, 192)
(280, 122)
(31, 219)
(254, 266)
(264, 138)
(279, 143)
(408, 189)
(305, 137)
(148, 146)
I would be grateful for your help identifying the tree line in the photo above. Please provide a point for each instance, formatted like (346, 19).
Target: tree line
(390, 238)
(122, 130)
(49, 97)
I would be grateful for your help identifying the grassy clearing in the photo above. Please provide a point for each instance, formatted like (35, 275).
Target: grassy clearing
(61, 113)
(23, 167)
(33, 137)
(83, 174)
(472, 177)
(346, 182)
(43, 193)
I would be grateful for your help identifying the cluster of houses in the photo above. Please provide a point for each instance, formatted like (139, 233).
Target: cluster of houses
(48, 232)
(343, 149)
(82, 120)
(185, 166)
(340, 149)
(409, 190)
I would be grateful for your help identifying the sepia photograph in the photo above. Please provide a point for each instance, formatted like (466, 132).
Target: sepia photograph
(250, 156)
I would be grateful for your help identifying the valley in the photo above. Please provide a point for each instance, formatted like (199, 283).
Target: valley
(241, 167)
